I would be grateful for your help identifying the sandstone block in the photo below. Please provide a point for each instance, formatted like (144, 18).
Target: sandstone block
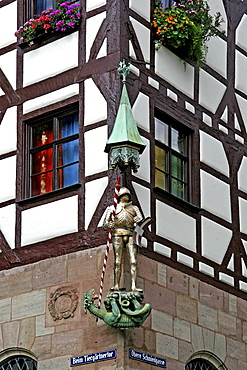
(162, 322)
(167, 346)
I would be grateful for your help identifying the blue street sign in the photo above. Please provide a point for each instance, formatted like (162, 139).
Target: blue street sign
(93, 357)
(145, 357)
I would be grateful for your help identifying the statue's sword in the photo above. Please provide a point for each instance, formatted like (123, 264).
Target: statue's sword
(116, 195)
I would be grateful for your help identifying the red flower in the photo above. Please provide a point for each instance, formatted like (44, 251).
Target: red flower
(46, 26)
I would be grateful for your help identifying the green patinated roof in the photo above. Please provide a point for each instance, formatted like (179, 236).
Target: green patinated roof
(125, 130)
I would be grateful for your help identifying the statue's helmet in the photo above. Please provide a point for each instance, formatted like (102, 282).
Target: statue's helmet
(124, 191)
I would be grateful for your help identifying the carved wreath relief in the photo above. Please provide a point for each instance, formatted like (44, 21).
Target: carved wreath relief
(63, 303)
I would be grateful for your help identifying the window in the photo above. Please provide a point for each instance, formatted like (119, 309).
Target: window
(167, 3)
(36, 7)
(53, 154)
(199, 364)
(19, 363)
(171, 158)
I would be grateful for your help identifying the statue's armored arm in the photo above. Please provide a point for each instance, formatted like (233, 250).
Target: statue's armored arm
(108, 223)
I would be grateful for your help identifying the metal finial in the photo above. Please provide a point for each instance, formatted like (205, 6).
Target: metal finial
(123, 70)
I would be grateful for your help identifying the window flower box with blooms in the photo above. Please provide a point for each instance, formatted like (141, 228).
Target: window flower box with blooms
(186, 27)
(65, 18)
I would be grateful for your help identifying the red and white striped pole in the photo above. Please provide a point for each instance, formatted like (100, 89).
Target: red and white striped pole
(116, 195)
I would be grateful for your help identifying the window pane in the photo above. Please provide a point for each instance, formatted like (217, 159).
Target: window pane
(40, 5)
(42, 134)
(161, 180)
(42, 161)
(161, 131)
(68, 175)
(68, 126)
(178, 168)
(161, 159)
(178, 141)
(178, 188)
(41, 184)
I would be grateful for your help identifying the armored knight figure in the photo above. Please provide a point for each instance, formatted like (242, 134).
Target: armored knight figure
(126, 217)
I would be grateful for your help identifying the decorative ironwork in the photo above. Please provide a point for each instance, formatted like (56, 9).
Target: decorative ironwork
(19, 363)
(199, 364)
(63, 303)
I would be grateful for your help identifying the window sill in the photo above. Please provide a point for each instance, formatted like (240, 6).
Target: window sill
(174, 199)
(44, 39)
(49, 195)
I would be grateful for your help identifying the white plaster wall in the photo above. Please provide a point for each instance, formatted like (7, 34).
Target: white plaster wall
(138, 7)
(7, 183)
(211, 91)
(140, 111)
(143, 195)
(93, 113)
(49, 220)
(63, 55)
(95, 158)
(215, 240)
(8, 131)
(93, 192)
(93, 24)
(218, 6)
(143, 35)
(243, 108)
(242, 175)
(212, 153)
(216, 59)
(243, 215)
(8, 22)
(241, 33)
(144, 169)
(51, 98)
(176, 226)
(215, 196)
(171, 68)
(7, 224)
(8, 66)
(92, 4)
(241, 70)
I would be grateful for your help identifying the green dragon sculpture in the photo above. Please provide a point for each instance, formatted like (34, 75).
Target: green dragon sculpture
(123, 310)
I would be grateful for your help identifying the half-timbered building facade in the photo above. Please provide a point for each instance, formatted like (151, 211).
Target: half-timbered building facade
(58, 103)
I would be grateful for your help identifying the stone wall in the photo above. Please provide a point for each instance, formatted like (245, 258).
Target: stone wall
(187, 316)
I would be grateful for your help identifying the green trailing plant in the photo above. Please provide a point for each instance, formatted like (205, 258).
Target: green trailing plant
(186, 26)
(65, 17)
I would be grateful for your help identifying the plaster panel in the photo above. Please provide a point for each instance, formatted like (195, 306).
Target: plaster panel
(141, 111)
(162, 249)
(241, 33)
(176, 226)
(63, 55)
(215, 59)
(143, 195)
(49, 220)
(143, 35)
(241, 70)
(94, 191)
(215, 196)
(171, 68)
(212, 153)
(217, 6)
(7, 224)
(92, 4)
(92, 95)
(242, 175)
(137, 6)
(144, 169)
(243, 215)
(95, 158)
(215, 240)
(8, 24)
(211, 91)
(7, 183)
(8, 66)
(8, 131)
(93, 24)
(51, 98)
